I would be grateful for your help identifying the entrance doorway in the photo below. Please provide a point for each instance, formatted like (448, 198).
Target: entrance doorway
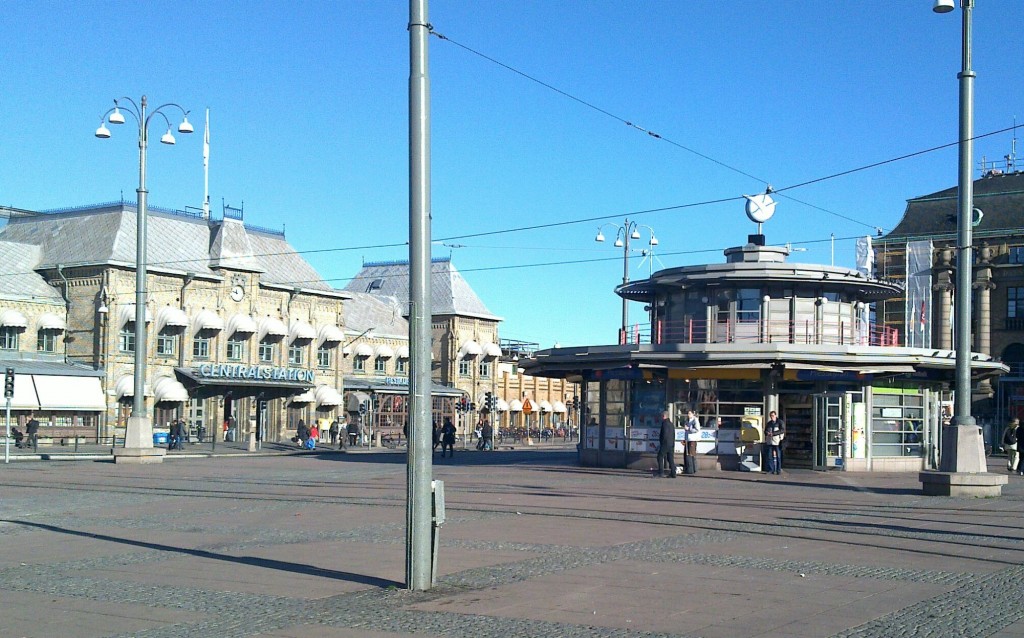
(829, 431)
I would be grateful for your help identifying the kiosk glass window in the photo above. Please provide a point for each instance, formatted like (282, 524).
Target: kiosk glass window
(235, 349)
(126, 338)
(46, 341)
(324, 357)
(897, 422)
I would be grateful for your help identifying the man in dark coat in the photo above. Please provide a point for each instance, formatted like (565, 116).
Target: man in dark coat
(32, 430)
(667, 447)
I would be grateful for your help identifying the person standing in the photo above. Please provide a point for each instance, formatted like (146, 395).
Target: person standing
(1020, 457)
(774, 433)
(334, 431)
(486, 434)
(691, 432)
(32, 431)
(448, 437)
(1010, 443)
(667, 447)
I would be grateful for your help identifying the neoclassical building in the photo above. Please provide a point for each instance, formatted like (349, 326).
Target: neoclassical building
(920, 251)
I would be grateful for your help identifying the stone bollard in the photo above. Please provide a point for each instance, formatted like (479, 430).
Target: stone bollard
(252, 441)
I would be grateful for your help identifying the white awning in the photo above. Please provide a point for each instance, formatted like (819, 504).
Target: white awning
(171, 317)
(558, 406)
(515, 405)
(127, 315)
(270, 327)
(241, 324)
(24, 393)
(12, 319)
(208, 320)
(363, 350)
(305, 397)
(384, 352)
(50, 321)
(329, 334)
(326, 396)
(69, 393)
(491, 350)
(503, 405)
(299, 330)
(169, 390)
(544, 406)
(470, 349)
(402, 352)
(125, 387)
(354, 399)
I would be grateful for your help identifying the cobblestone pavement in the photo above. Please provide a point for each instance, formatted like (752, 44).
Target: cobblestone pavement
(313, 546)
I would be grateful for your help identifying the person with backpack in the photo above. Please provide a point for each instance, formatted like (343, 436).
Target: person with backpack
(1010, 444)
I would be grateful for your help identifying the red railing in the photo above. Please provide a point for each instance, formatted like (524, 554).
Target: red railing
(809, 331)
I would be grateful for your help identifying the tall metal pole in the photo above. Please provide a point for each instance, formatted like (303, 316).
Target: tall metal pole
(625, 280)
(962, 314)
(139, 397)
(418, 475)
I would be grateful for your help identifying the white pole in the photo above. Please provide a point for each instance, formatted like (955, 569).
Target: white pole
(206, 168)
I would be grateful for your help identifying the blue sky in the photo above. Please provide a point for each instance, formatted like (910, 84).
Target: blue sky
(308, 106)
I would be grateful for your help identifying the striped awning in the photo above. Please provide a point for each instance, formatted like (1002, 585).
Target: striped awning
(50, 321)
(12, 319)
(207, 320)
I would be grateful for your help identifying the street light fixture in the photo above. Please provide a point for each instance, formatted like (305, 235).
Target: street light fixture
(962, 435)
(629, 230)
(138, 440)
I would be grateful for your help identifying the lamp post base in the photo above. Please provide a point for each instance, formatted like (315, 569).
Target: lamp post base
(963, 470)
(138, 443)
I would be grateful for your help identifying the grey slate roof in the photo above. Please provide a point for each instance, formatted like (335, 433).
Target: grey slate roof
(18, 278)
(450, 293)
(382, 314)
(105, 235)
(1000, 197)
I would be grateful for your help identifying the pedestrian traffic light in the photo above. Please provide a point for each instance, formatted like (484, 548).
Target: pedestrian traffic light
(9, 383)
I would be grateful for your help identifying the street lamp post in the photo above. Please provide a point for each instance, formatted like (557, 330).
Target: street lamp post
(623, 234)
(962, 466)
(138, 440)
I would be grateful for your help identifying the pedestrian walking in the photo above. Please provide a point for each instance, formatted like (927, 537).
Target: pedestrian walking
(667, 447)
(448, 437)
(353, 432)
(1020, 457)
(1010, 443)
(486, 435)
(774, 433)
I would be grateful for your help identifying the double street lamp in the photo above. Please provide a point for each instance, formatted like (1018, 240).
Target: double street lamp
(629, 230)
(139, 430)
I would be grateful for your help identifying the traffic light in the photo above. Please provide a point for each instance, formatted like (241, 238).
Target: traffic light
(9, 383)
(472, 407)
(575, 403)
(488, 402)
(363, 407)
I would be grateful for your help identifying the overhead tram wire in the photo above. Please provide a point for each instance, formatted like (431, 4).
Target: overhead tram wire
(739, 171)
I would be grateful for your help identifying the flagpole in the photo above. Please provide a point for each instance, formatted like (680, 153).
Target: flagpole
(206, 168)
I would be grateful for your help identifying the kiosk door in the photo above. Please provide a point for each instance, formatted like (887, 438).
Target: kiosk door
(828, 431)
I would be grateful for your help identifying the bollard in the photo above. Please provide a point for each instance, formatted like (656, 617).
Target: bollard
(437, 507)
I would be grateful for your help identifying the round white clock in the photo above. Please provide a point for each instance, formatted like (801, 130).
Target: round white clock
(237, 293)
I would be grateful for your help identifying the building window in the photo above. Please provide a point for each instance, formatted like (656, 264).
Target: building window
(1016, 255)
(1015, 308)
(359, 364)
(296, 355)
(8, 338)
(402, 366)
(201, 347)
(46, 341)
(126, 338)
(465, 368)
(235, 349)
(324, 357)
(167, 344)
(485, 369)
(268, 351)
(380, 365)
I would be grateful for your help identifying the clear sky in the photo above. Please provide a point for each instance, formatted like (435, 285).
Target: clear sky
(309, 117)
